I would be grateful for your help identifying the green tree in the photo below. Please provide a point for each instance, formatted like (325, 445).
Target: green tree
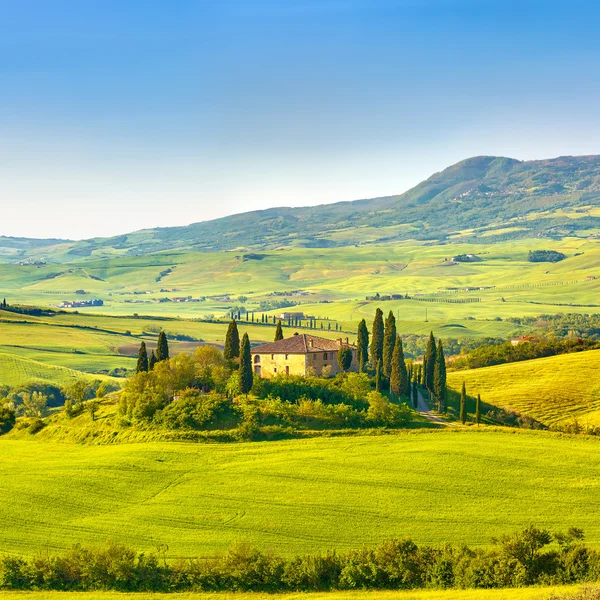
(377, 338)
(142, 361)
(232, 342)
(463, 404)
(362, 345)
(278, 332)
(378, 376)
(344, 358)
(415, 392)
(478, 410)
(162, 350)
(246, 375)
(389, 343)
(398, 375)
(439, 378)
(92, 407)
(429, 362)
(152, 361)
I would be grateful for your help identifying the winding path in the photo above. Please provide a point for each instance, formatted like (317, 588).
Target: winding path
(426, 412)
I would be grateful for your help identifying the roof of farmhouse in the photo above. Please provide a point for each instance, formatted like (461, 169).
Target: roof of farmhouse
(299, 344)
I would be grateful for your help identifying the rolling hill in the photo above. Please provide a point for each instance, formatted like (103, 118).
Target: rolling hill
(554, 390)
(480, 197)
(296, 496)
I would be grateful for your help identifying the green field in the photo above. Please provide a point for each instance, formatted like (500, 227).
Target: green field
(505, 594)
(297, 496)
(334, 283)
(553, 390)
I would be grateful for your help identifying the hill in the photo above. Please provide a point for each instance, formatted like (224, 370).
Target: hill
(555, 390)
(296, 496)
(479, 197)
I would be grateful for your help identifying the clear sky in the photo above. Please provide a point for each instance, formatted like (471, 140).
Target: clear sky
(119, 115)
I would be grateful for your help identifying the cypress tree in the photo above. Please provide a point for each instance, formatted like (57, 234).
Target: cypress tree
(152, 361)
(415, 394)
(278, 332)
(397, 367)
(362, 345)
(329, 326)
(232, 341)
(378, 376)
(162, 351)
(429, 362)
(246, 375)
(389, 343)
(439, 378)
(463, 404)
(478, 410)
(377, 338)
(142, 361)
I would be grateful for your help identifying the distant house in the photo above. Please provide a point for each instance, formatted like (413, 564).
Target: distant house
(524, 339)
(284, 316)
(300, 354)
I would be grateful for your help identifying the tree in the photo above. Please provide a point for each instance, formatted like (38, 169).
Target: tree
(463, 404)
(377, 338)
(415, 393)
(478, 410)
(142, 361)
(378, 375)
(232, 341)
(278, 332)
(389, 343)
(362, 345)
(398, 375)
(92, 407)
(439, 378)
(162, 350)
(429, 362)
(152, 361)
(344, 358)
(246, 375)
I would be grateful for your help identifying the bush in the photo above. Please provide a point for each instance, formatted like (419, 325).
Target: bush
(35, 426)
(195, 410)
(7, 419)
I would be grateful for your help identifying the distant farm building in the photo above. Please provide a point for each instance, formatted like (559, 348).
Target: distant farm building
(285, 316)
(301, 354)
(81, 303)
(524, 339)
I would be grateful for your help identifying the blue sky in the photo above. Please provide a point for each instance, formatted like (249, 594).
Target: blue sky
(115, 116)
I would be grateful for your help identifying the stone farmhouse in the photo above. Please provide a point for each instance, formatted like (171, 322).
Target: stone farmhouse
(301, 354)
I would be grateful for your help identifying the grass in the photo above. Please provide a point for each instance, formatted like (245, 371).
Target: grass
(336, 281)
(296, 496)
(506, 594)
(16, 370)
(553, 390)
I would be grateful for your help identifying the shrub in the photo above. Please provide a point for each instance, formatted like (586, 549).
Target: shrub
(195, 410)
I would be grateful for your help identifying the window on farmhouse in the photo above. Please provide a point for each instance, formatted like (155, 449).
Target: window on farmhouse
(325, 356)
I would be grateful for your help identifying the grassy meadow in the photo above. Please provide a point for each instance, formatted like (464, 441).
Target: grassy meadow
(335, 281)
(503, 594)
(297, 496)
(553, 390)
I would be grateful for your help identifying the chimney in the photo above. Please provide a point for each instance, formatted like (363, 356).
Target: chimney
(311, 343)
(347, 342)
(339, 341)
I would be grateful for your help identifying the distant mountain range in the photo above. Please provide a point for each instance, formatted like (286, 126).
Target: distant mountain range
(482, 198)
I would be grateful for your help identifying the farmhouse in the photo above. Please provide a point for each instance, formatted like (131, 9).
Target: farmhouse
(301, 354)
(284, 316)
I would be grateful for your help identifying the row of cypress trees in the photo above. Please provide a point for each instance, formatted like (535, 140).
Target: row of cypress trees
(146, 363)
(386, 356)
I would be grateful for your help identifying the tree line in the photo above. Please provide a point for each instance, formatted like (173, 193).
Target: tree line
(524, 558)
